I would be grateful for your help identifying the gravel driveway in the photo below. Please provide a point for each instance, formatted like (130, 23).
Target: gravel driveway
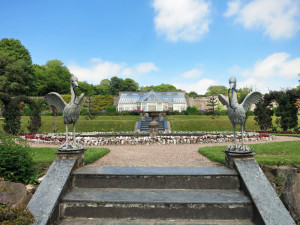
(181, 155)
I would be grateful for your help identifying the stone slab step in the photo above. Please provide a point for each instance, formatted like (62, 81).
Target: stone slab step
(156, 177)
(156, 204)
(105, 221)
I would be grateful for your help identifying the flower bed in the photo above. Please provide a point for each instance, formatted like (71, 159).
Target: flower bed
(278, 132)
(111, 138)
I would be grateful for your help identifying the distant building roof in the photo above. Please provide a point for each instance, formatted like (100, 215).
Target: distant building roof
(153, 96)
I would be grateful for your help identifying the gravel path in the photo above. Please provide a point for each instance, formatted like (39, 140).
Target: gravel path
(181, 155)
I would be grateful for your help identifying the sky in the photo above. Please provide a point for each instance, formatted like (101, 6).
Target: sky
(191, 44)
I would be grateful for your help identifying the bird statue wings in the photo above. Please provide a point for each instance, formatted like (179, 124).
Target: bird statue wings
(55, 99)
(251, 98)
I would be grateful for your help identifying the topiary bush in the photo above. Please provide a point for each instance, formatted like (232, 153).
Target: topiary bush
(19, 215)
(16, 164)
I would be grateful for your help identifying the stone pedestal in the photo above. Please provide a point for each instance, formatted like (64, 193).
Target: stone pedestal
(231, 157)
(72, 154)
(153, 128)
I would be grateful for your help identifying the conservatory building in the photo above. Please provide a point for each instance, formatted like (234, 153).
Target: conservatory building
(152, 101)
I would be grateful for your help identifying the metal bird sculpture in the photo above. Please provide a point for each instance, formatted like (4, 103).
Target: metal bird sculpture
(70, 111)
(237, 112)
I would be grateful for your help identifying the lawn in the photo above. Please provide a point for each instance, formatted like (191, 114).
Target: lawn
(43, 157)
(100, 123)
(206, 123)
(276, 153)
(126, 123)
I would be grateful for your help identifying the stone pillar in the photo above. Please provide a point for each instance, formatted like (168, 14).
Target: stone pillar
(153, 128)
(72, 154)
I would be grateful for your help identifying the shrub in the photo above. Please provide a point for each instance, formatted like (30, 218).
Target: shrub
(16, 164)
(67, 98)
(19, 215)
(111, 110)
(192, 110)
(101, 102)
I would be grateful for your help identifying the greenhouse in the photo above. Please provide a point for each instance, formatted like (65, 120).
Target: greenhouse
(152, 101)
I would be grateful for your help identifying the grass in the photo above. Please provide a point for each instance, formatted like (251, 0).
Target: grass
(126, 123)
(276, 153)
(100, 123)
(43, 157)
(206, 123)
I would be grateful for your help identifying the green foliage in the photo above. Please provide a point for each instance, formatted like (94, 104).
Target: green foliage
(242, 93)
(104, 87)
(193, 94)
(161, 87)
(263, 114)
(12, 115)
(287, 109)
(212, 106)
(16, 164)
(130, 85)
(15, 68)
(216, 89)
(51, 77)
(67, 98)
(101, 102)
(19, 215)
(111, 110)
(116, 85)
(192, 110)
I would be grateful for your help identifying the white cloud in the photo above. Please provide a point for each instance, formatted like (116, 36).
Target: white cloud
(278, 19)
(99, 70)
(275, 65)
(200, 87)
(233, 8)
(191, 74)
(186, 20)
(275, 72)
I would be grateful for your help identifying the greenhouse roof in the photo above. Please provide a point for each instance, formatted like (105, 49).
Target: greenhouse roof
(152, 96)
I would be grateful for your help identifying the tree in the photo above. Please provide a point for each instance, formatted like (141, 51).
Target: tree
(161, 87)
(104, 87)
(116, 85)
(52, 77)
(216, 89)
(192, 94)
(242, 93)
(89, 92)
(15, 68)
(212, 106)
(263, 113)
(130, 85)
(287, 109)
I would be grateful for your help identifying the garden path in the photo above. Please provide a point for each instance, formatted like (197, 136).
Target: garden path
(181, 155)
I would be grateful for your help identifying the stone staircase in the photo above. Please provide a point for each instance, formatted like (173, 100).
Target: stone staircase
(155, 195)
(145, 125)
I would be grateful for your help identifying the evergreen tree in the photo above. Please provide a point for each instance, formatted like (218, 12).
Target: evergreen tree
(212, 105)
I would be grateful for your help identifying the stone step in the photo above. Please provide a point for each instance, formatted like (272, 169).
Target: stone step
(156, 204)
(156, 177)
(91, 221)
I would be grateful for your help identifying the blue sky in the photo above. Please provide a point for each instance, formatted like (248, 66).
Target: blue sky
(191, 44)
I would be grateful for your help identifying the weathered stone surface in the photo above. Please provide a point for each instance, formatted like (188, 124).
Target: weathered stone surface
(270, 208)
(156, 203)
(291, 195)
(12, 193)
(44, 202)
(102, 221)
